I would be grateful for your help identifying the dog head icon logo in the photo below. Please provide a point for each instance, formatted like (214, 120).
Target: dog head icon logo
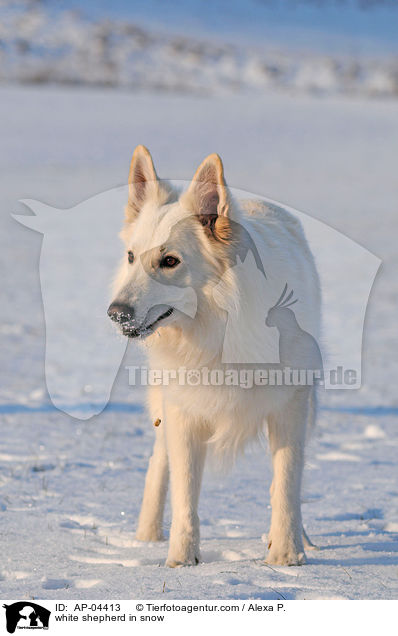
(26, 615)
(79, 258)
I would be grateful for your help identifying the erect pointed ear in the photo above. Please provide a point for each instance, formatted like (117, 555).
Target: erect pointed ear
(207, 197)
(143, 181)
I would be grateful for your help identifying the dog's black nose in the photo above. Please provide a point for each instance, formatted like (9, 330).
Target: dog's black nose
(120, 313)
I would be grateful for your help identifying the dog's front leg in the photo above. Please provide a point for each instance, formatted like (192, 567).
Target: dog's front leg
(186, 451)
(156, 482)
(287, 431)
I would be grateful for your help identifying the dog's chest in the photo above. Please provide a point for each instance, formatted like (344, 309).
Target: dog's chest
(212, 402)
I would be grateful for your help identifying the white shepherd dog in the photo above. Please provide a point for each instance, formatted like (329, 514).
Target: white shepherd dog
(195, 240)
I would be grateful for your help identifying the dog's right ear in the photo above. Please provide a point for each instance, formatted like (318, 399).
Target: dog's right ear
(143, 182)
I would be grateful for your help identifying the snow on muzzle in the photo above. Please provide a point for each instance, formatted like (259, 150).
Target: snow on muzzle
(124, 316)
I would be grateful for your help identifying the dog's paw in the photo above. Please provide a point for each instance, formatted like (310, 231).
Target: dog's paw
(180, 560)
(175, 563)
(285, 555)
(184, 546)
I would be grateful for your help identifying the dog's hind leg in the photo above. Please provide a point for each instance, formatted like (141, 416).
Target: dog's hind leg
(151, 516)
(187, 451)
(312, 412)
(287, 432)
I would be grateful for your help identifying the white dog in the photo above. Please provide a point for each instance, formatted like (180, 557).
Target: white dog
(199, 240)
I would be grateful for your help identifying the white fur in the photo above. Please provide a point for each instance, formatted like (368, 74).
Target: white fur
(221, 418)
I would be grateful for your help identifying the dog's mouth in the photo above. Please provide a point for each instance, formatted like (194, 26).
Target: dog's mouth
(144, 330)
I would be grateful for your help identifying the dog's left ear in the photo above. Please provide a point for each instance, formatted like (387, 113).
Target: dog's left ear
(207, 197)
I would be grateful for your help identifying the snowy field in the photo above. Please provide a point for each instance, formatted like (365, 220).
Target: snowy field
(202, 47)
(70, 489)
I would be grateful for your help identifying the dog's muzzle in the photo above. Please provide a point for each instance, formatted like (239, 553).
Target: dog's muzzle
(120, 313)
(123, 315)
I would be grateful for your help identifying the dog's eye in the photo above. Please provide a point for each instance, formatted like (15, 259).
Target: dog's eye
(169, 261)
(130, 257)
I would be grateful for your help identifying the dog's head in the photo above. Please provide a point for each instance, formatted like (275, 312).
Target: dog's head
(176, 248)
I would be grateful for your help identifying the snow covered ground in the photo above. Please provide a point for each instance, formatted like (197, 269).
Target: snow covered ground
(70, 490)
(198, 47)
